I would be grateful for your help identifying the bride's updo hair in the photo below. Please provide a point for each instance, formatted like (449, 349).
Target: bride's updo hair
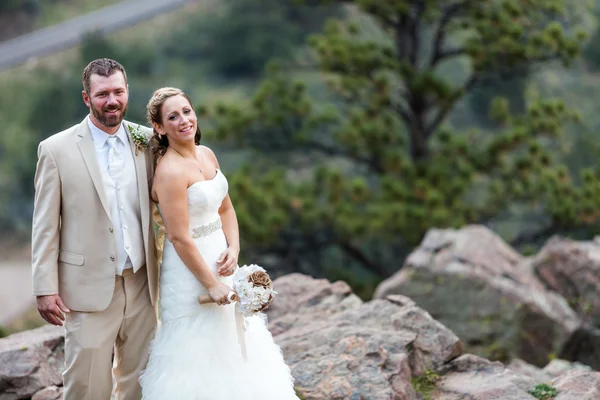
(160, 143)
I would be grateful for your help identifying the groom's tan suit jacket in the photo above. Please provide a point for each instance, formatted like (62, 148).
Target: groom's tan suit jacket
(73, 247)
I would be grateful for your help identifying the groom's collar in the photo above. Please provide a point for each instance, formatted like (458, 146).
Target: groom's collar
(100, 137)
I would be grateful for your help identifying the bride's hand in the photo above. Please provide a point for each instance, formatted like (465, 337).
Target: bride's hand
(229, 261)
(219, 293)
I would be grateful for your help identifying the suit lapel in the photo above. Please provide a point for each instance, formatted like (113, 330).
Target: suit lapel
(86, 147)
(142, 184)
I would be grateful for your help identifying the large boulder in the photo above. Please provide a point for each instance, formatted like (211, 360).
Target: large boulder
(31, 361)
(554, 369)
(484, 291)
(577, 385)
(367, 352)
(473, 377)
(572, 269)
(303, 299)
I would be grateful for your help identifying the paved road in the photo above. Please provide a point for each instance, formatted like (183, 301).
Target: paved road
(15, 290)
(70, 33)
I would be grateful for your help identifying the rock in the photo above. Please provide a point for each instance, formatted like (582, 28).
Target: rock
(31, 361)
(49, 393)
(484, 291)
(473, 377)
(578, 385)
(554, 369)
(558, 367)
(303, 299)
(572, 269)
(338, 348)
(368, 351)
(523, 368)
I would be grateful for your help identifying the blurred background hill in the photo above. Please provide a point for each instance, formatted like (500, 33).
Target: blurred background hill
(344, 142)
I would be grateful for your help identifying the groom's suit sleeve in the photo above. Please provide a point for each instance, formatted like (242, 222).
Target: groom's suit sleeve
(45, 240)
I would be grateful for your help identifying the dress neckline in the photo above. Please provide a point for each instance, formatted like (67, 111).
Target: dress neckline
(206, 180)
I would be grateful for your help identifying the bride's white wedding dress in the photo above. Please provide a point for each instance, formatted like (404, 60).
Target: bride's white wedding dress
(195, 354)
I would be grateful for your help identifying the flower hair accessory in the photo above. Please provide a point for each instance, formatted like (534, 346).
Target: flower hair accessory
(141, 137)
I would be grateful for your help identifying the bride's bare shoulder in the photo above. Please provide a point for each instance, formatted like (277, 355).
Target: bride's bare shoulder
(169, 168)
(205, 150)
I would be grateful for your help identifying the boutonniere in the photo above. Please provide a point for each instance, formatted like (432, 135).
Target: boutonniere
(140, 137)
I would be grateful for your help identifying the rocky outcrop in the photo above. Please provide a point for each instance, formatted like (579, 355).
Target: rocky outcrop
(554, 369)
(484, 291)
(339, 347)
(572, 269)
(367, 350)
(30, 362)
(577, 385)
(304, 300)
(49, 393)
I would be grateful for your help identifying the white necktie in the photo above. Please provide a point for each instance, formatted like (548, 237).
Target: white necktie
(115, 160)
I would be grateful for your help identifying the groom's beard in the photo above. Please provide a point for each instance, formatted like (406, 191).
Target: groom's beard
(110, 121)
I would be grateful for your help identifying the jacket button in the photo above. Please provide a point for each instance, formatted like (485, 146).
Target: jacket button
(110, 230)
(112, 258)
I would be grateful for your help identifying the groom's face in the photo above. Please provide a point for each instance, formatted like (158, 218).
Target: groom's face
(107, 99)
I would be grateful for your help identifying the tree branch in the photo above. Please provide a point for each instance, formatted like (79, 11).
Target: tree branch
(415, 34)
(440, 33)
(451, 53)
(445, 110)
(332, 151)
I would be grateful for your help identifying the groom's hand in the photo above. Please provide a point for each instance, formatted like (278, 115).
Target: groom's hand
(52, 309)
(229, 260)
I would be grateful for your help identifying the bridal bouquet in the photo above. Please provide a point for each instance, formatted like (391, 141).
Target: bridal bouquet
(253, 290)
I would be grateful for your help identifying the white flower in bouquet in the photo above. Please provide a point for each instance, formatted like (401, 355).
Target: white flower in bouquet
(254, 289)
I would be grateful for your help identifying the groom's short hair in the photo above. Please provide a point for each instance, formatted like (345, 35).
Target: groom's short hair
(103, 67)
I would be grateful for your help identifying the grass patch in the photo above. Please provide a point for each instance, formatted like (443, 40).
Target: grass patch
(299, 394)
(425, 384)
(543, 392)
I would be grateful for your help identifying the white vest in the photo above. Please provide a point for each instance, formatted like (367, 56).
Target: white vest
(124, 203)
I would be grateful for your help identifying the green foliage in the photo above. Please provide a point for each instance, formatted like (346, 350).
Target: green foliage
(510, 87)
(140, 60)
(544, 392)
(3, 332)
(245, 34)
(30, 6)
(591, 51)
(372, 171)
(298, 394)
(425, 384)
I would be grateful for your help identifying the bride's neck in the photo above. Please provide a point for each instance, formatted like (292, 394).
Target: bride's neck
(186, 151)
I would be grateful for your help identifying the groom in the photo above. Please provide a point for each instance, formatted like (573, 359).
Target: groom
(93, 255)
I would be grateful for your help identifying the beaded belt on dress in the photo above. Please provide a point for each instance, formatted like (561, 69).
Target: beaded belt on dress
(206, 230)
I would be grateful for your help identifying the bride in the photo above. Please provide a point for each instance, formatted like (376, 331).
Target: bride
(196, 354)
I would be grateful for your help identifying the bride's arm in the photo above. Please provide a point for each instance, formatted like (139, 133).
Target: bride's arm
(230, 228)
(232, 233)
(171, 190)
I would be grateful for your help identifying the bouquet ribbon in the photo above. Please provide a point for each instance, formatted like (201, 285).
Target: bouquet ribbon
(240, 323)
